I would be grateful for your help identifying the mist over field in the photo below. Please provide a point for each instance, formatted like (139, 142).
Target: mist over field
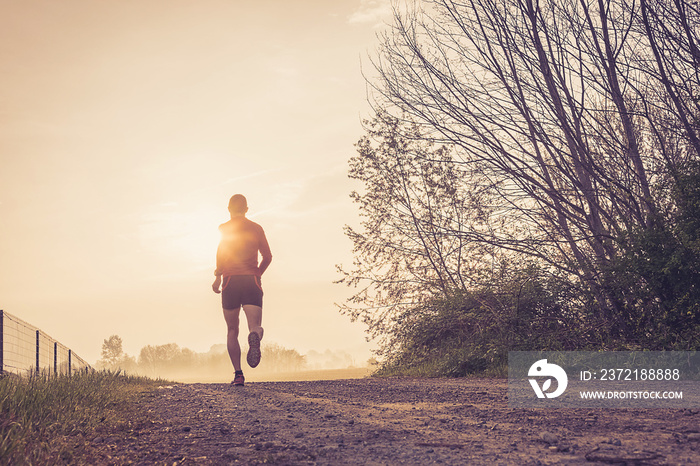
(173, 363)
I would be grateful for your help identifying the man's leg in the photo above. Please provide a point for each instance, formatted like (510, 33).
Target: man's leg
(234, 348)
(253, 315)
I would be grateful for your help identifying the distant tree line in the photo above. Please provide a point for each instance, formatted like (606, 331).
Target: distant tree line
(531, 180)
(170, 360)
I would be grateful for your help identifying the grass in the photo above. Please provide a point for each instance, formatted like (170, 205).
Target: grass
(39, 413)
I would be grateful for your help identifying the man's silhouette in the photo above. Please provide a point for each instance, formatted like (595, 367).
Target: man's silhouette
(238, 280)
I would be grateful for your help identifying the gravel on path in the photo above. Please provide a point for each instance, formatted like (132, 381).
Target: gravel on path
(378, 421)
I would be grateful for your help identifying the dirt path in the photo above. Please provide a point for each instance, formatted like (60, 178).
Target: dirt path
(385, 421)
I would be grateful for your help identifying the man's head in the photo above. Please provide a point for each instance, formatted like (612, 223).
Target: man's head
(238, 205)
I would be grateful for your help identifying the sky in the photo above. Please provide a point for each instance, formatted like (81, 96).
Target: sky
(125, 126)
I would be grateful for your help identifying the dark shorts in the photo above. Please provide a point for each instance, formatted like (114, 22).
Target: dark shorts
(238, 290)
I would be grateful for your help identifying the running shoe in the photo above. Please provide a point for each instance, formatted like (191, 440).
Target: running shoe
(253, 357)
(238, 380)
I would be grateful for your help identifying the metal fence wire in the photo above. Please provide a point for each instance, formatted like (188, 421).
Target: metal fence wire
(25, 349)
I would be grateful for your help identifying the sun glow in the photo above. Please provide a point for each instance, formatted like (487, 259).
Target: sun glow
(189, 236)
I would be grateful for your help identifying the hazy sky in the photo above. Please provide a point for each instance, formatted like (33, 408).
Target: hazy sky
(125, 126)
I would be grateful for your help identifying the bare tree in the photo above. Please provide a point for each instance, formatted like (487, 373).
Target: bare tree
(419, 211)
(546, 100)
(672, 60)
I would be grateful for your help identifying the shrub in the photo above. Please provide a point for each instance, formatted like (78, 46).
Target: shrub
(471, 333)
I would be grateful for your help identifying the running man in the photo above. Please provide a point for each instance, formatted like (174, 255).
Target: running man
(237, 269)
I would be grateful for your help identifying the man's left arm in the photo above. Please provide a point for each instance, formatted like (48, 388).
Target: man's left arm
(264, 249)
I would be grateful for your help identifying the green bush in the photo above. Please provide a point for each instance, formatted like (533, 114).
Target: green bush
(654, 281)
(661, 263)
(471, 333)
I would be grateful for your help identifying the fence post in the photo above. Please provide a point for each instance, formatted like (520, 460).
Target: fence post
(70, 371)
(2, 340)
(55, 358)
(37, 351)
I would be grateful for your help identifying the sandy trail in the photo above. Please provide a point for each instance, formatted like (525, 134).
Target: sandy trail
(384, 421)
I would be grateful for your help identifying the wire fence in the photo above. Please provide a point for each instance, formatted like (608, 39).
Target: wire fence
(25, 349)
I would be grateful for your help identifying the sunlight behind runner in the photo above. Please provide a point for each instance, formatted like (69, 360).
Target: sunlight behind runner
(126, 126)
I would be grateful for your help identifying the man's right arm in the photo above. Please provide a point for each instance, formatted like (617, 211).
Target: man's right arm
(216, 286)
